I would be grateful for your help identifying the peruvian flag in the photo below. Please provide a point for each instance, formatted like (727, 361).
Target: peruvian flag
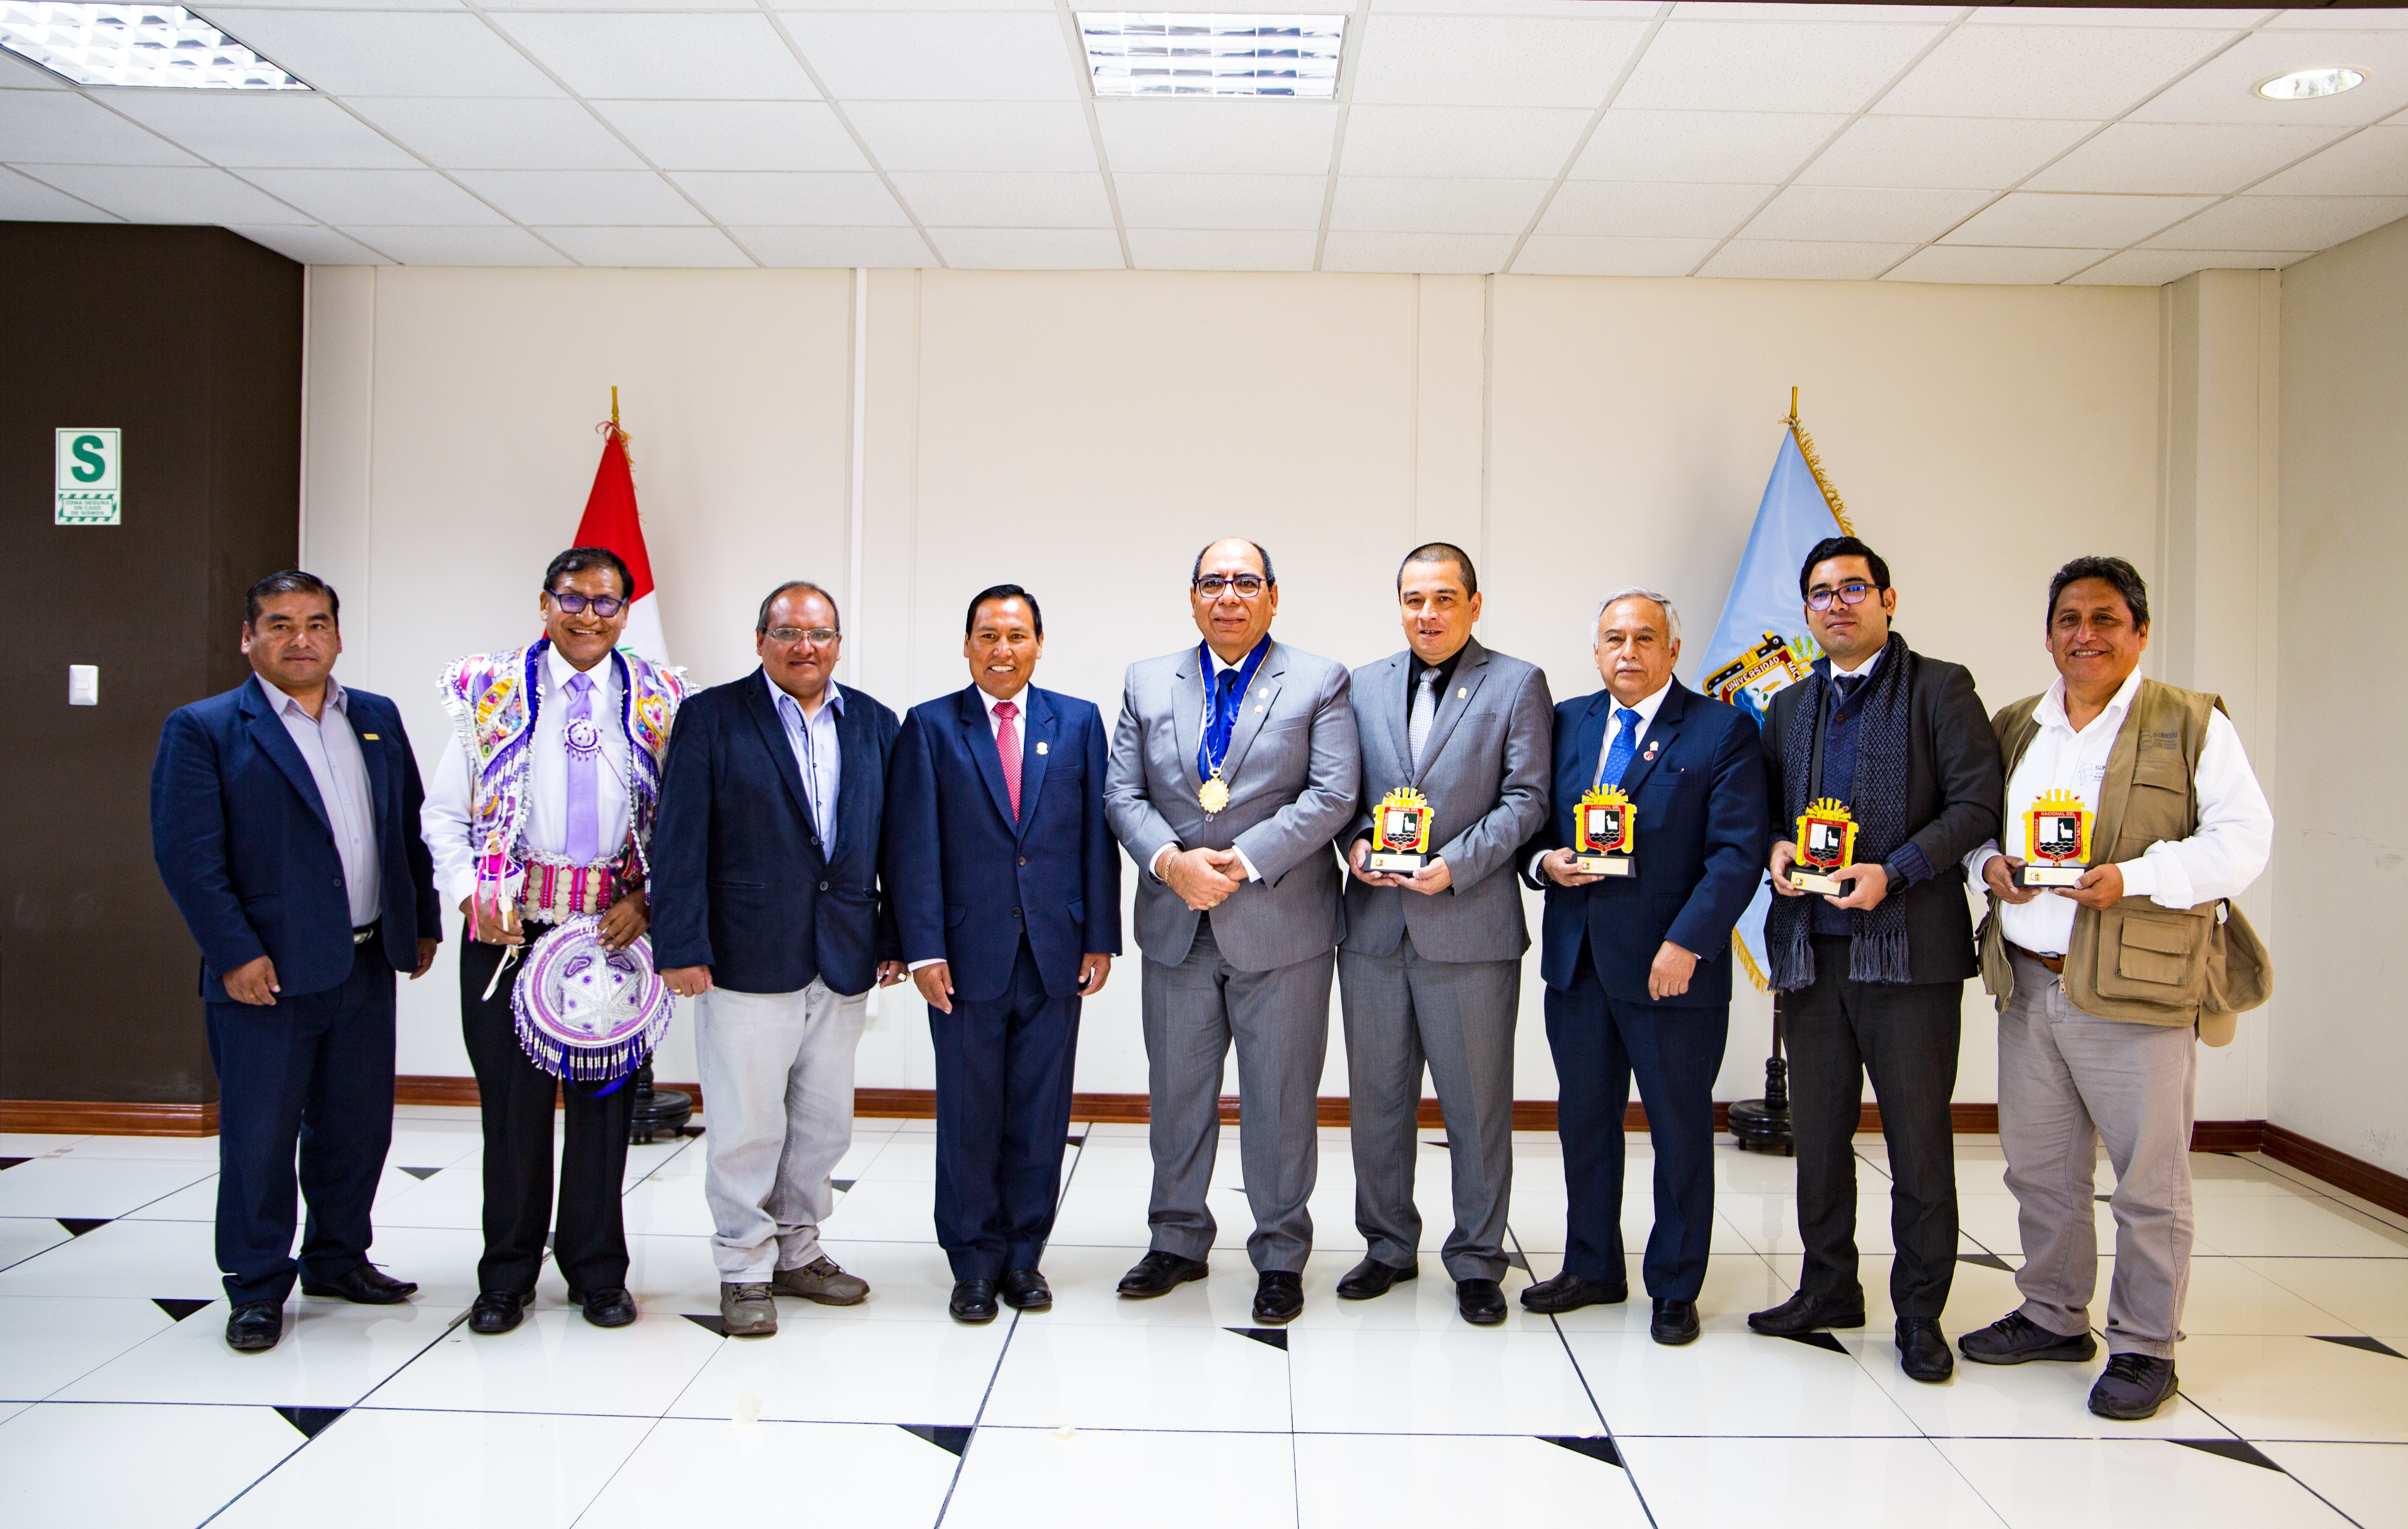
(611, 521)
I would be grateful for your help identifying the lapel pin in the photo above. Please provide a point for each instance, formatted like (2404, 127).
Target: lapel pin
(1040, 746)
(371, 736)
(1651, 749)
(1463, 692)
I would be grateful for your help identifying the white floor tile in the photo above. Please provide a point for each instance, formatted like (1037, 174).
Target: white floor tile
(1112, 1160)
(23, 1236)
(463, 1470)
(1495, 1381)
(860, 1477)
(1375, 1481)
(332, 1356)
(1538, 1226)
(2072, 1483)
(34, 1144)
(557, 1362)
(2046, 1400)
(1864, 1484)
(2367, 1481)
(143, 1259)
(2265, 1227)
(1109, 1212)
(201, 1150)
(96, 1190)
(52, 1341)
(2270, 1388)
(1150, 1377)
(67, 1463)
(816, 1370)
(1092, 1475)
(874, 1210)
(1725, 1383)
(664, 1207)
(911, 1158)
(2369, 1295)
(195, 1201)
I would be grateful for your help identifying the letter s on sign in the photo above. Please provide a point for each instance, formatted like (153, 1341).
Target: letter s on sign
(90, 465)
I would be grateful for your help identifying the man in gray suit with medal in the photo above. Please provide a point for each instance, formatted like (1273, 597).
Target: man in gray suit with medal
(1234, 766)
(1456, 744)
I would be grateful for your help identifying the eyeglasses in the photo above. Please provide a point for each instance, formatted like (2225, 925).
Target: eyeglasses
(577, 605)
(817, 636)
(1852, 592)
(1212, 586)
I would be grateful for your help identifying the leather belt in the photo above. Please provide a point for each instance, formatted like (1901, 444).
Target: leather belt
(2054, 963)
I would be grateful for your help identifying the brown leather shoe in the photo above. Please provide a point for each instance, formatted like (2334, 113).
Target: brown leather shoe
(821, 1280)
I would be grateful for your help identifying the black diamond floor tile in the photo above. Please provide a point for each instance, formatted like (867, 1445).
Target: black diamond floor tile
(2372, 1346)
(2230, 1448)
(953, 1441)
(78, 1226)
(1275, 1336)
(1815, 1340)
(177, 1308)
(1595, 1448)
(713, 1323)
(311, 1421)
(7, 1163)
(1986, 1261)
(843, 1186)
(420, 1173)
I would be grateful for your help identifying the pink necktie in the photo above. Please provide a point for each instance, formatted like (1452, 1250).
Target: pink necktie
(1006, 743)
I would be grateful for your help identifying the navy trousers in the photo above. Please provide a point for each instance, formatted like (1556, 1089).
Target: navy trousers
(1003, 1114)
(312, 1072)
(1599, 1043)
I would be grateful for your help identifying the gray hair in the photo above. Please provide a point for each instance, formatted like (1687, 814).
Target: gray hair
(1632, 592)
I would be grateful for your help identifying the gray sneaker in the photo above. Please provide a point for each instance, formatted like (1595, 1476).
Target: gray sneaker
(821, 1280)
(747, 1311)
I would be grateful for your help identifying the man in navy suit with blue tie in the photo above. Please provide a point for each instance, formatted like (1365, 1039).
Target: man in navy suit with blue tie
(996, 801)
(1637, 965)
(284, 819)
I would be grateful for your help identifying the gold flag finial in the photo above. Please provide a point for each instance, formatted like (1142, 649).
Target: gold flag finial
(1814, 464)
(614, 406)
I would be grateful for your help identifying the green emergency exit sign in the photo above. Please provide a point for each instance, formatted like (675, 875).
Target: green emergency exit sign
(89, 490)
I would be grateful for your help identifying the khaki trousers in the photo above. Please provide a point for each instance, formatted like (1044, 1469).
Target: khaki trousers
(2066, 1080)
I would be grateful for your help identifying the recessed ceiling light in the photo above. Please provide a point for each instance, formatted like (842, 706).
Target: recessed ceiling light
(136, 45)
(1154, 53)
(2308, 84)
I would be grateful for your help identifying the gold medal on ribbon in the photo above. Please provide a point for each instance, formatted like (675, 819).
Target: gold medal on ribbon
(1215, 794)
(1400, 828)
(1827, 842)
(1605, 833)
(2057, 841)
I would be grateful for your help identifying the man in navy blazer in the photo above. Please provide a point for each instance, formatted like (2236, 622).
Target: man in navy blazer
(1637, 965)
(284, 819)
(765, 897)
(996, 801)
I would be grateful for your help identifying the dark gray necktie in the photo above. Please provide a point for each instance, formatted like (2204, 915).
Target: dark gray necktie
(1417, 726)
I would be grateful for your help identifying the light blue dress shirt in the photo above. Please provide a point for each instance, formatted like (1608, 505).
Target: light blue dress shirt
(332, 751)
(816, 751)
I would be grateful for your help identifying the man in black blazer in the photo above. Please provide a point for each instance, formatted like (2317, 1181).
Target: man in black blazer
(1637, 965)
(1874, 978)
(995, 800)
(765, 897)
(284, 819)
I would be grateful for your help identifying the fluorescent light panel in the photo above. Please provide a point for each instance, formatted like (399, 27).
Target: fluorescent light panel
(136, 45)
(1170, 54)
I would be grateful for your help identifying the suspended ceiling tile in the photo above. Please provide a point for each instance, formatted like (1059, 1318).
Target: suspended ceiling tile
(241, 130)
(375, 196)
(596, 197)
(1416, 205)
(975, 135)
(388, 53)
(1557, 254)
(2079, 73)
(460, 246)
(1638, 10)
(2392, 18)
(885, 248)
(1956, 152)
(2069, 221)
(499, 134)
(1007, 201)
(1029, 248)
(24, 199)
(725, 57)
(1221, 249)
(1878, 214)
(1232, 137)
(1771, 67)
(1528, 142)
(1230, 202)
(936, 55)
(2155, 267)
(1699, 146)
(2157, 157)
(2226, 89)
(670, 247)
(737, 135)
(2373, 162)
(1469, 61)
(772, 197)
(313, 246)
(1798, 260)
(1650, 209)
(2139, 16)
(1475, 254)
(145, 194)
(1994, 265)
(47, 127)
(2283, 222)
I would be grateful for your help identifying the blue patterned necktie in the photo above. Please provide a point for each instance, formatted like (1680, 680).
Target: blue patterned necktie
(1625, 743)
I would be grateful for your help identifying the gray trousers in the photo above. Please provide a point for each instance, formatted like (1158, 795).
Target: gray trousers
(1457, 1017)
(2067, 1080)
(777, 1097)
(1279, 1020)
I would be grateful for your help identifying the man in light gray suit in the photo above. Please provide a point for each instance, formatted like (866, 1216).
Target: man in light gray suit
(1233, 768)
(1431, 968)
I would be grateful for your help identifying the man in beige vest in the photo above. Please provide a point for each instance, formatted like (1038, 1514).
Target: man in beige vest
(2140, 796)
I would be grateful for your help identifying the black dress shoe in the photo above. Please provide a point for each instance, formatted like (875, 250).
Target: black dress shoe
(498, 1311)
(1025, 1289)
(1159, 1272)
(2017, 1339)
(366, 1285)
(1481, 1301)
(2133, 1387)
(1279, 1296)
(1372, 1278)
(973, 1301)
(1803, 1313)
(612, 1308)
(1675, 1323)
(1923, 1351)
(254, 1327)
(1569, 1293)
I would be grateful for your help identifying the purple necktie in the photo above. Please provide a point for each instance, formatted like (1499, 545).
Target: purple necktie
(585, 744)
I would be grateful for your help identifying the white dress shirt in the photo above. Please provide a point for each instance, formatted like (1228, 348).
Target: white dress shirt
(446, 818)
(2236, 828)
(1646, 709)
(817, 751)
(1213, 669)
(331, 749)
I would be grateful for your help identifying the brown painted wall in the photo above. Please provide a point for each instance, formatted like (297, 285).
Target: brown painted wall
(189, 340)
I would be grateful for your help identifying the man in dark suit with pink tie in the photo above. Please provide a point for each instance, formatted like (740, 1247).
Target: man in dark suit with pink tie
(1005, 883)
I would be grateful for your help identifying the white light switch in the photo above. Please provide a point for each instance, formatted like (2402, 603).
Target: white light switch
(83, 684)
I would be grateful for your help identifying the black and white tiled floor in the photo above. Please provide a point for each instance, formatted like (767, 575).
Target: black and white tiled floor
(120, 1405)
